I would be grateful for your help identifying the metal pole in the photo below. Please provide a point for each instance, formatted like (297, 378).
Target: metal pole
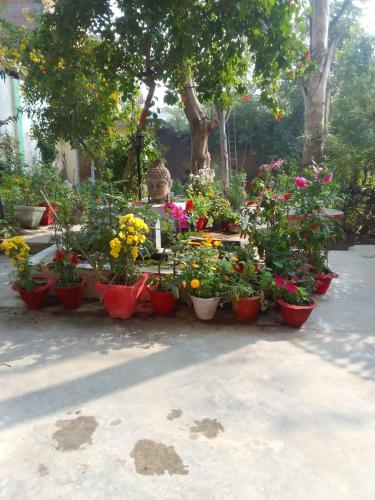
(139, 174)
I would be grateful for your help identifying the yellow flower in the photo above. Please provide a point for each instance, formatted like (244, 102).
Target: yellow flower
(124, 219)
(217, 243)
(129, 240)
(234, 258)
(134, 253)
(194, 283)
(195, 266)
(115, 245)
(135, 238)
(122, 235)
(131, 229)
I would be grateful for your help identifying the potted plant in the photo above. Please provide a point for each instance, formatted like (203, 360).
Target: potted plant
(241, 284)
(201, 278)
(120, 293)
(295, 303)
(69, 285)
(163, 289)
(27, 211)
(33, 289)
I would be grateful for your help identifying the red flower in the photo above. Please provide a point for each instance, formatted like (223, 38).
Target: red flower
(250, 202)
(291, 288)
(279, 118)
(59, 255)
(249, 185)
(189, 205)
(74, 259)
(305, 235)
(246, 98)
(294, 278)
(239, 267)
(287, 196)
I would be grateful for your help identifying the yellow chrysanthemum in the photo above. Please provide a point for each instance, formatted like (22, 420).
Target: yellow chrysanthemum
(121, 235)
(234, 258)
(131, 229)
(195, 266)
(142, 238)
(126, 219)
(194, 283)
(134, 253)
(217, 243)
(129, 240)
(114, 253)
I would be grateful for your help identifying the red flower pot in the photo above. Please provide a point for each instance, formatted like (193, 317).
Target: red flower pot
(163, 302)
(71, 296)
(224, 226)
(234, 227)
(201, 223)
(121, 300)
(34, 299)
(295, 316)
(322, 283)
(246, 308)
(48, 216)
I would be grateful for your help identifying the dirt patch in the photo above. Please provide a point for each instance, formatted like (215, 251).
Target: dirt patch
(74, 433)
(173, 414)
(152, 458)
(209, 427)
(43, 470)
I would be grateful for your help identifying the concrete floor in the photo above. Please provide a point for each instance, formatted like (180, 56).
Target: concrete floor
(152, 408)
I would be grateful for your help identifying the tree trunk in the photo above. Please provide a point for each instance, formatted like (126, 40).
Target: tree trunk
(200, 128)
(314, 92)
(222, 116)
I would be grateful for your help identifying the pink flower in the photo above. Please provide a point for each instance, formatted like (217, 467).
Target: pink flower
(183, 222)
(168, 205)
(294, 277)
(301, 182)
(326, 179)
(276, 164)
(291, 288)
(279, 280)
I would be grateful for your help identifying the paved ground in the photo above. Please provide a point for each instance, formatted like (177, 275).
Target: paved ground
(94, 408)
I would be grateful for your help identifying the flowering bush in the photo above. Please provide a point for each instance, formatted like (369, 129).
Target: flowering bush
(18, 251)
(65, 265)
(200, 265)
(124, 249)
(201, 182)
(287, 289)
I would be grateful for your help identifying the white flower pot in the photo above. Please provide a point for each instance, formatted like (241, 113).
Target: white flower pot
(28, 217)
(205, 308)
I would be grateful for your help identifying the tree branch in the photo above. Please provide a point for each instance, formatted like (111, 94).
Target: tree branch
(335, 20)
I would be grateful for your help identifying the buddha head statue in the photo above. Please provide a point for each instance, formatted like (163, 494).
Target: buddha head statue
(159, 182)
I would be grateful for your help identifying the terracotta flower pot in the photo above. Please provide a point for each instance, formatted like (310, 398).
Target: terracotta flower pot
(295, 316)
(205, 308)
(246, 308)
(322, 283)
(201, 223)
(71, 296)
(234, 227)
(121, 300)
(163, 302)
(48, 216)
(34, 299)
